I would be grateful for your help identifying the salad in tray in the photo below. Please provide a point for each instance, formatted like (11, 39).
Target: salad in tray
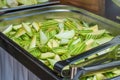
(54, 40)
(15, 3)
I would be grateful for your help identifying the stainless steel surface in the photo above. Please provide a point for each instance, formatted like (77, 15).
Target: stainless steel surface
(57, 11)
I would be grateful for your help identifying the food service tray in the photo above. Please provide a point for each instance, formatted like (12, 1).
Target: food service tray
(47, 12)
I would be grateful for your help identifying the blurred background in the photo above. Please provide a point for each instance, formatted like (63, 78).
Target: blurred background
(107, 8)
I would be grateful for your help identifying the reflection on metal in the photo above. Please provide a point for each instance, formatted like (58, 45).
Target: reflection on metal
(117, 2)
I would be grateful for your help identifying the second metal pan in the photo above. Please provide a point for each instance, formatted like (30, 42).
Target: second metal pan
(18, 8)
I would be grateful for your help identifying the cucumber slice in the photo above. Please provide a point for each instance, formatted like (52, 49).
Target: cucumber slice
(8, 29)
(95, 35)
(47, 55)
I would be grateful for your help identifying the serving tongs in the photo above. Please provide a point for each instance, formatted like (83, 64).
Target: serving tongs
(107, 57)
(60, 65)
(77, 72)
(99, 63)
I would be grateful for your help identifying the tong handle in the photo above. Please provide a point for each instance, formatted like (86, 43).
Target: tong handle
(84, 70)
(58, 67)
(102, 66)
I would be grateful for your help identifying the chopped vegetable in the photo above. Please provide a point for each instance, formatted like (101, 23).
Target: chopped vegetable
(64, 41)
(27, 2)
(35, 52)
(36, 26)
(3, 3)
(17, 27)
(20, 32)
(41, 1)
(33, 42)
(78, 48)
(60, 50)
(43, 38)
(47, 55)
(52, 61)
(12, 3)
(65, 34)
(57, 58)
(89, 44)
(15, 3)
(59, 39)
(53, 43)
(27, 28)
(8, 29)
(94, 28)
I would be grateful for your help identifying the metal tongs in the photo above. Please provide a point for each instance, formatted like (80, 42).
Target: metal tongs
(102, 62)
(77, 72)
(60, 65)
